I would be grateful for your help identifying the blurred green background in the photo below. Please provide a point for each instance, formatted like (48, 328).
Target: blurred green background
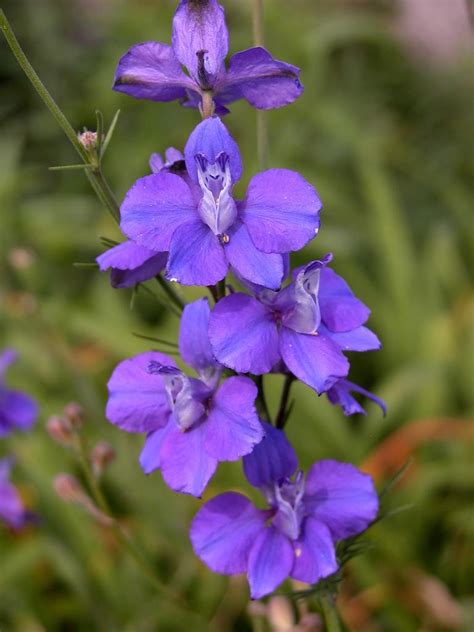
(387, 138)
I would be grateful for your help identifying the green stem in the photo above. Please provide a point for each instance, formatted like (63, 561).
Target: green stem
(262, 122)
(95, 176)
(331, 618)
(170, 292)
(281, 417)
(124, 538)
(261, 401)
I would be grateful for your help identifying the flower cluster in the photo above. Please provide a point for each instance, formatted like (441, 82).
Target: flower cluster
(18, 411)
(183, 221)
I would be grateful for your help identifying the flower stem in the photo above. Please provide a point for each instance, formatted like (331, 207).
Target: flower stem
(170, 292)
(261, 401)
(262, 122)
(94, 175)
(282, 415)
(331, 618)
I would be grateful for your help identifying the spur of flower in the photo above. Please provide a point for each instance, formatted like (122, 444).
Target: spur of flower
(205, 229)
(12, 510)
(307, 325)
(18, 411)
(341, 394)
(128, 262)
(296, 536)
(200, 42)
(191, 423)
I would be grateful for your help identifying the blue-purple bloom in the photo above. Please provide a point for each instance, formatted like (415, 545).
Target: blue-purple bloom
(12, 510)
(153, 70)
(308, 324)
(340, 394)
(205, 229)
(296, 536)
(18, 411)
(128, 262)
(191, 423)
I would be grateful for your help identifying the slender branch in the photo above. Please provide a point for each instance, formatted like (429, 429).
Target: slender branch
(261, 400)
(331, 618)
(170, 292)
(94, 174)
(262, 122)
(282, 416)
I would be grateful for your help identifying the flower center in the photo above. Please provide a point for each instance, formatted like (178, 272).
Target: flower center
(217, 208)
(288, 502)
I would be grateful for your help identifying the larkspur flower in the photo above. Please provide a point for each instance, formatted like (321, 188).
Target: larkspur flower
(296, 536)
(153, 70)
(128, 262)
(18, 411)
(191, 423)
(308, 324)
(205, 230)
(12, 510)
(340, 394)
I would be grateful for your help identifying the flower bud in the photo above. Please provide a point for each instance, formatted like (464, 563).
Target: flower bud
(101, 457)
(60, 430)
(68, 488)
(74, 414)
(280, 614)
(88, 139)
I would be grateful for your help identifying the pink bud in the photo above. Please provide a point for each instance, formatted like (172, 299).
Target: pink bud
(68, 488)
(101, 456)
(74, 413)
(60, 430)
(88, 139)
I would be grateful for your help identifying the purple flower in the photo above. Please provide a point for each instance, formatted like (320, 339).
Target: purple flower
(306, 324)
(296, 536)
(128, 262)
(12, 511)
(341, 394)
(191, 423)
(205, 230)
(18, 411)
(153, 70)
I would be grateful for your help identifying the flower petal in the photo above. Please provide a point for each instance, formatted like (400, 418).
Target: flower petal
(270, 562)
(151, 71)
(138, 401)
(250, 263)
(211, 138)
(150, 455)
(342, 497)
(341, 394)
(271, 460)
(264, 82)
(315, 555)
(281, 211)
(185, 465)
(194, 344)
(196, 256)
(11, 507)
(359, 339)
(313, 359)
(17, 409)
(243, 334)
(340, 309)
(154, 208)
(148, 270)
(233, 428)
(7, 357)
(224, 530)
(199, 27)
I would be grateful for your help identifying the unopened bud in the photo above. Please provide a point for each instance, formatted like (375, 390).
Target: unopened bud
(101, 456)
(74, 413)
(88, 139)
(68, 488)
(280, 614)
(60, 430)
